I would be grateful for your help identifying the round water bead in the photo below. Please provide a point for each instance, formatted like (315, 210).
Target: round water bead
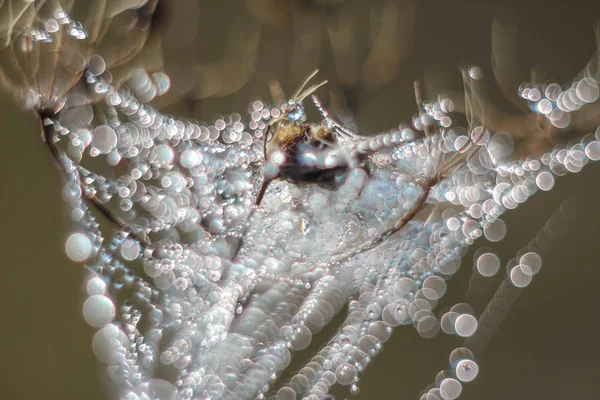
(433, 394)
(130, 249)
(459, 354)
(545, 180)
(164, 154)
(380, 330)
(96, 286)
(519, 277)
(465, 325)
(592, 150)
(105, 139)
(301, 337)
(448, 322)
(395, 314)
(434, 288)
(450, 388)
(495, 231)
(190, 158)
(345, 374)
(96, 65)
(299, 383)
(162, 82)
(98, 310)
(285, 393)
(405, 287)
(488, 264)
(79, 247)
(159, 389)
(467, 370)
(531, 263)
(110, 344)
(428, 327)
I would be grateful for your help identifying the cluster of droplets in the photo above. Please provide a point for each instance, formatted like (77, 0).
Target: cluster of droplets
(200, 294)
(558, 103)
(49, 26)
(477, 331)
(217, 299)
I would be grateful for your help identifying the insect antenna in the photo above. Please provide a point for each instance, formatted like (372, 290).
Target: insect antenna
(299, 90)
(332, 123)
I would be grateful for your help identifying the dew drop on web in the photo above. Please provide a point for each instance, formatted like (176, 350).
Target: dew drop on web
(488, 264)
(105, 139)
(98, 310)
(466, 370)
(465, 325)
(78, 247)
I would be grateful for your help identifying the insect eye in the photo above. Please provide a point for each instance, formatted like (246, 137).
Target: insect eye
(296, 113)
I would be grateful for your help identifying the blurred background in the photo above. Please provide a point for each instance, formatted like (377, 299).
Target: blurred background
(222, 55)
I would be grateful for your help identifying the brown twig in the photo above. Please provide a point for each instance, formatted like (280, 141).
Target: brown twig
(92, 201)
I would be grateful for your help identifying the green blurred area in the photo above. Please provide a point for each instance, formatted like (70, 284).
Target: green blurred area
(546, 349)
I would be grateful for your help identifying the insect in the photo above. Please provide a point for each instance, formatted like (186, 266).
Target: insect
(301, 152)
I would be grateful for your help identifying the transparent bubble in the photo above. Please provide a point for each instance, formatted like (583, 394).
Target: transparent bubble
(450, 389)
(531, 263)
(85, 136)
(96, 286)
(476, 73)
(467, 370)
(190, 158)
(459, 354)
(130, 249)
(430, 395)
(105, 139)
(395, 314)
(519, 277)
(159, 389)
(592, 150)
(404, 287)
(552, 91)
(109, 344)
(79, 247)
(164, 154)
(96, 65)
(285, 393)
(465, 325)
(299, 383)
(448, 321)
(98, 310)
(488, 264)
(434, 288)
(545, 180)
(453, 223)
(52, 25)
(380, 330)
(545, 106)
(495, 231)
(162, 82)
(345, 374)
(587, 90)
(418, 305)
(428, 327)
(462, 308)
(302, 337)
